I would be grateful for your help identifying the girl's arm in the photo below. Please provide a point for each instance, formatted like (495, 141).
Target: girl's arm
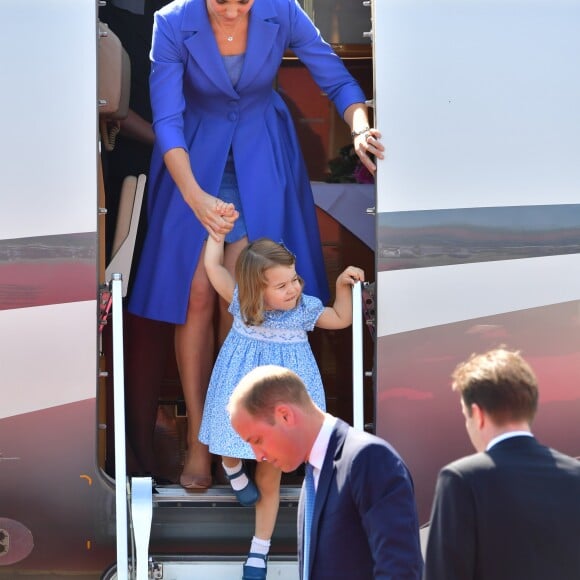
(339, 315)
(213, 260)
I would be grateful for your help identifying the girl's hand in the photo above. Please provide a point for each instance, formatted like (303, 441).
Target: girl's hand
(350, 276)
(228, 212)
(339, 315)
(367, 144)
(216, 216)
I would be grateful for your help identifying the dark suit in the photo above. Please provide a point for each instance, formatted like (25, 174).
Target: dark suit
(512, 512)
(365, 521)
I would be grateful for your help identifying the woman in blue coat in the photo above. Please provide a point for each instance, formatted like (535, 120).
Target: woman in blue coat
(222, 131)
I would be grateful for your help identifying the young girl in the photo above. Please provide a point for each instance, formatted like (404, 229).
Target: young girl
(271, 319)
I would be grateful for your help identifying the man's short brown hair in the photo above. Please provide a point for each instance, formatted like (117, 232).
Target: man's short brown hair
(265, 387)
(501, 383)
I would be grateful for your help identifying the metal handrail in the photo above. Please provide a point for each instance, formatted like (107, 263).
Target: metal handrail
(357, 358)
(119, 422)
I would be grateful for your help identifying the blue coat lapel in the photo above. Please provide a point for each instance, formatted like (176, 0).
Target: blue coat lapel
(202, 46)
(262, 35)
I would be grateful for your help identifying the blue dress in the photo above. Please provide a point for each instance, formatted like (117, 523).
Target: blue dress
(197, 107)
(282, 340)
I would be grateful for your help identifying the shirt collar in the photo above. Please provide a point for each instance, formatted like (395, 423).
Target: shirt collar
(318, 451)
(505, 436)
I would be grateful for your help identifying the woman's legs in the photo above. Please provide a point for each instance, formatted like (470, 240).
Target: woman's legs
(194, 352)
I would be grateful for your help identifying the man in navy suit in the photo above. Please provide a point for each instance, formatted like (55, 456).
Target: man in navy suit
(512, 510)
(364, 524)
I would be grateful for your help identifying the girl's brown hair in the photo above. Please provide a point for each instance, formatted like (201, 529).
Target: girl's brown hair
(255, 259)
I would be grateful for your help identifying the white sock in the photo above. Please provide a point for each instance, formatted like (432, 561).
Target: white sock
(258, 546)
(241, 480)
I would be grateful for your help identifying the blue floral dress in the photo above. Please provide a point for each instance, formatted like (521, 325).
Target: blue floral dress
(281, 340)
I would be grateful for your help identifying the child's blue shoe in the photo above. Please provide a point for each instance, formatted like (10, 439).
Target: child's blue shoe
(254, 573)
(249, 495)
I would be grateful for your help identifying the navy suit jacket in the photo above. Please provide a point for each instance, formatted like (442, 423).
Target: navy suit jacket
(365, 520)
(510, 513)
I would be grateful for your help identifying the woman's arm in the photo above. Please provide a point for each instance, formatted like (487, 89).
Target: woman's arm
(339, 315)
(366, 138)
(217, 220)
(137, 128)
(168, 104)
(331, 75)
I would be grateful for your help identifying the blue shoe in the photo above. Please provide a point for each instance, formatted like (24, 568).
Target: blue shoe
(249, 495)
(253, 573)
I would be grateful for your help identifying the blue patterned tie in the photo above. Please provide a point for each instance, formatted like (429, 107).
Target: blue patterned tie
(308, 512)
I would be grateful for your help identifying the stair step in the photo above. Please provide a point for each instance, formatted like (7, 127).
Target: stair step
(216, 495)
(226, 568)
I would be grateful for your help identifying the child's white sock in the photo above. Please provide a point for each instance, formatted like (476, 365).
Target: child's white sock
(258, 547)
(238, 482)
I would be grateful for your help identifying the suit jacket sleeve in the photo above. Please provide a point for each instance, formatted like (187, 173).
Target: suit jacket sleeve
(451, 543)
(384, 495)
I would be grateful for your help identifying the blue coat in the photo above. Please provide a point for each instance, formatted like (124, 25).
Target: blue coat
(364, 525)
(196, 107)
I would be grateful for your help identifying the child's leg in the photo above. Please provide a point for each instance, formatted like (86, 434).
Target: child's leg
(233, 465)
(268, 482)
(245, 489)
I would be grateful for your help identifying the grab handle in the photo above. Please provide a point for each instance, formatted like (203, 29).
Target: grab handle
(357, 358)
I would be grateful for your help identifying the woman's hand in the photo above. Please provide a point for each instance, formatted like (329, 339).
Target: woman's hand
(366, 138)
(367, 144)
(215, 215)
